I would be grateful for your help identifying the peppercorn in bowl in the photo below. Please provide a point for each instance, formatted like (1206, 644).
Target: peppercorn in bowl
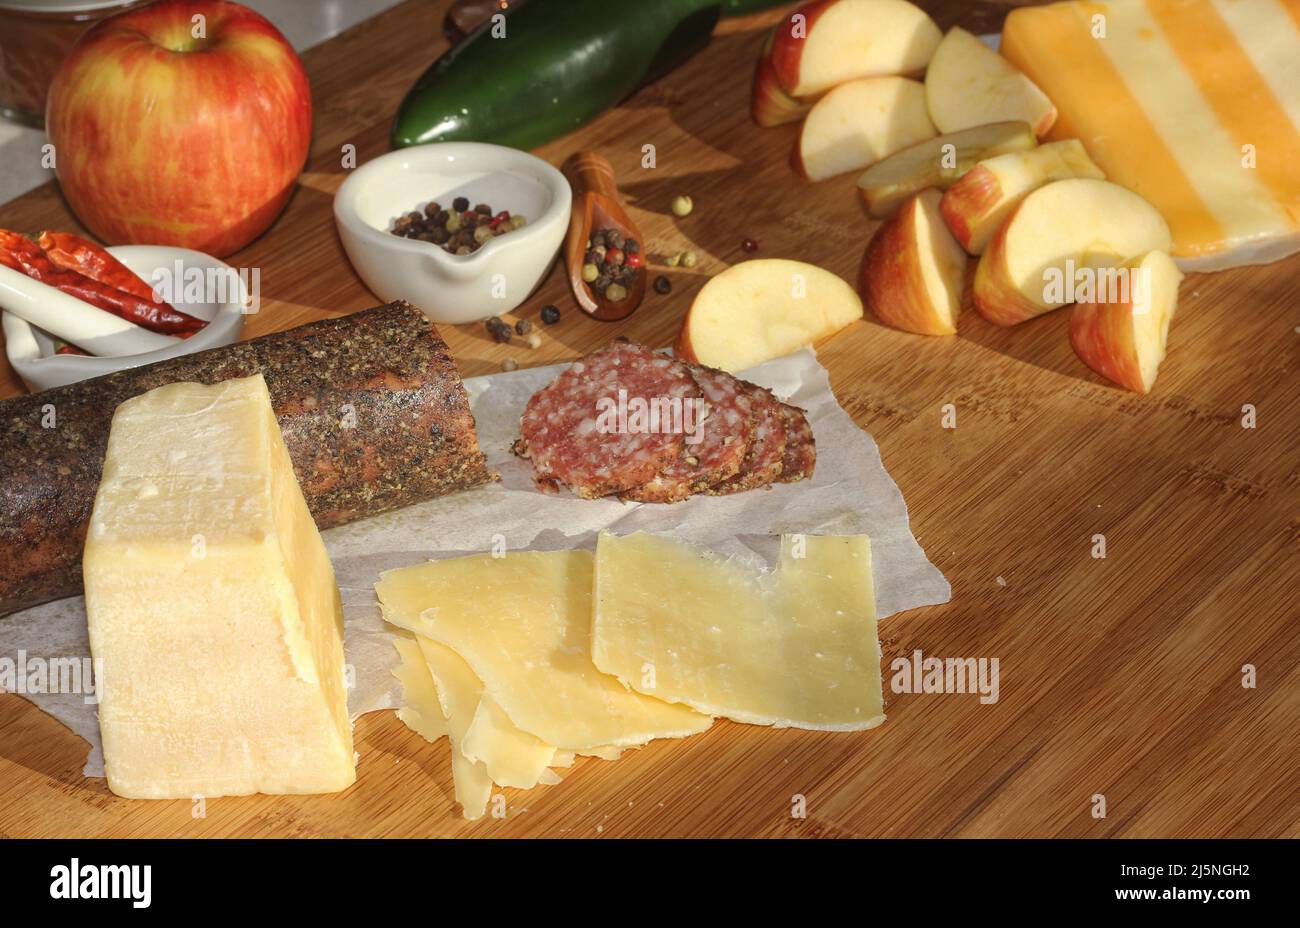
(462, 230)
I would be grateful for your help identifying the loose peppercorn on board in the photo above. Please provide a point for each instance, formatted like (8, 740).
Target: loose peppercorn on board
(1120, 675)
(1194, 104)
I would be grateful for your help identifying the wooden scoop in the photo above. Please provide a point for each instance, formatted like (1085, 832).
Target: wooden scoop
(596, 206)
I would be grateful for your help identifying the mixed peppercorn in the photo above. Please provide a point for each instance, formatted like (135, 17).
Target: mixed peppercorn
(459, 230)
(501, 331)
(611, 263)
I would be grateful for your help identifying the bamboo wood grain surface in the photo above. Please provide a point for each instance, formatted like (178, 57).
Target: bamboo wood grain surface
(1119, 677)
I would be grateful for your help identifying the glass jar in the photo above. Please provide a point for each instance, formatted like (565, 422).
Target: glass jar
(35, 35)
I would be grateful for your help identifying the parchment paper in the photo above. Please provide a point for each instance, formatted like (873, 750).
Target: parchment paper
(850, 493)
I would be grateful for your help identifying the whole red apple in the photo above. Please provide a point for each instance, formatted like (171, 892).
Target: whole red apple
(183, 122)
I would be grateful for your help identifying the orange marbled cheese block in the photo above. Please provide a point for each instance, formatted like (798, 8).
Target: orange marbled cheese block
(1193, 104)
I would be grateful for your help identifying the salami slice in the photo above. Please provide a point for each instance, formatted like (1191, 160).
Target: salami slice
(766, 454)
(724, 437)
(609, 423)
(800, 456)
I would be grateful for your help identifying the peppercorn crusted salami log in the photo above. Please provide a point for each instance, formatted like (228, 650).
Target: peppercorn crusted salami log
(371, 406)
(766, 455)
(594, 428)
(725, 436)
(800, 456)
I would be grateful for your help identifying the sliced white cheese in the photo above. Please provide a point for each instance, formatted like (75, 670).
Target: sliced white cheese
(459, 692)
(604, 752)
(212, 605)
(512, 757)
(523, 623)
(421, 710)
(797, 648)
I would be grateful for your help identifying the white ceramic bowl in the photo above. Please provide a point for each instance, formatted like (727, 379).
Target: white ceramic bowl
(31, 350)
(450, 288)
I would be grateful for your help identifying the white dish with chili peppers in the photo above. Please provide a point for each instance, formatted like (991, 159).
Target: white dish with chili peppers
(499, 273)
(44, 360)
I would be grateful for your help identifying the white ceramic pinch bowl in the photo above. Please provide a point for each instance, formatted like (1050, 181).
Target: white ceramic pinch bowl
(450, 288)
(31, 350)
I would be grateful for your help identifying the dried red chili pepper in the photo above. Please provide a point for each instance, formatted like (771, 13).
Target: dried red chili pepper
(22, 254)
(62, 347)
(74, 253)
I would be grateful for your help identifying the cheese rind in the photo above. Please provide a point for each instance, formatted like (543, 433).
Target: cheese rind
(212, 605)
(796, 648)
(523, 623)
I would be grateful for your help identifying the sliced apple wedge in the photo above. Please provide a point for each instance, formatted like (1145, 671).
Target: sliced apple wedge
(821, 45)
(860, 122)
(1059, 229)
(1122, 334)
(937, 162)
(763, 309)
(969, 84)
(769, 104)
(982, 198)
(913, 270)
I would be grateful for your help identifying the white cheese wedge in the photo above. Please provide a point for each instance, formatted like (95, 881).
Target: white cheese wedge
(421, 710)
(212, 605)
(796, 648)
(459, 692)
(523, 623)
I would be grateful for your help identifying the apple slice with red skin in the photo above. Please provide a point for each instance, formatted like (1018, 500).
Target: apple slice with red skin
(913, 270)
(1079, 223)
(1124, 339)
(763, 309)
(859, 123)
(769, 104)
(937, 162)
(981, 200)
(822, 45)
(969, 84)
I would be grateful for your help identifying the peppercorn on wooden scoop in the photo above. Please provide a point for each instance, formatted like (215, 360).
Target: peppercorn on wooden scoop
(596, 206)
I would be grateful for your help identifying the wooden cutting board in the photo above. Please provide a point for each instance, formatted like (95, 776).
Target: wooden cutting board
(1120, 677)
